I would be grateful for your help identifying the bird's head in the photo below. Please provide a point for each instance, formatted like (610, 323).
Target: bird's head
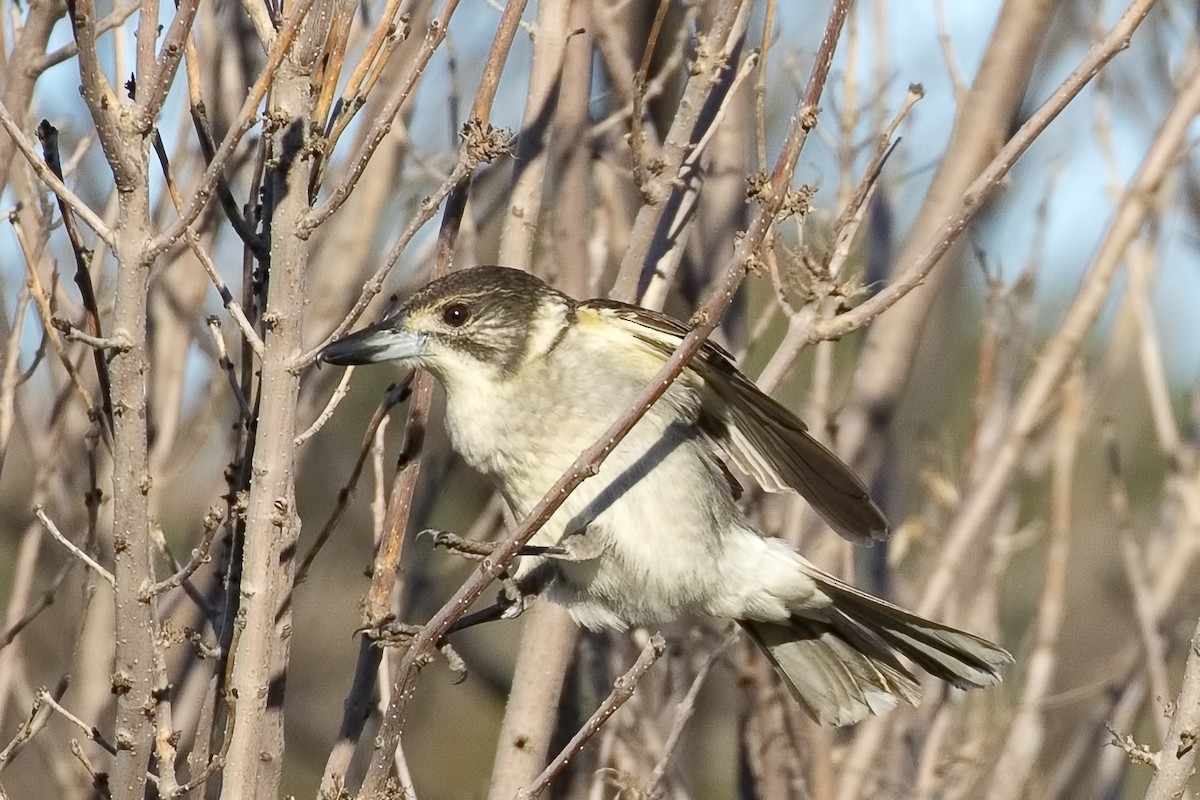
(479, 321)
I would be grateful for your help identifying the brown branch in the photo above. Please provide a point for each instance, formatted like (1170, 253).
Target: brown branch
(226, 365)
(45, 315)
(622, 690)
(208, 149)
(710, 81)
(200, 556)
(45, 601)
(378, 604)
(369, 68)
(394, 395)
(686, 708)
(391, 545)
(434, 36)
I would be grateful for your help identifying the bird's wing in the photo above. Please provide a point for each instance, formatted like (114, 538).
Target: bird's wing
(758, 435)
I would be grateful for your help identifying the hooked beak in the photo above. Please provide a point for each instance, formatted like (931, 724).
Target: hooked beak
(386, 340)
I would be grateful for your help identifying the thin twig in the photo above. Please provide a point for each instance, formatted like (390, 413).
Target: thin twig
(34, 723)
(434, 36)
(622, 690)
(343, 388)
(246, 118)
(44, 602)
(53, 530)
(1136, 575)
(47, 176)
(200, 556)
(685, 709)
(214, 327)
(193, 242)
(102, 345)
(395, 394)
(48, 135)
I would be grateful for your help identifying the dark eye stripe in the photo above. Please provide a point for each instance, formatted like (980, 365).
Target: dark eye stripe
(456, 314)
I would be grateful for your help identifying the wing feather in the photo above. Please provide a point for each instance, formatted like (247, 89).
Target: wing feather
(758, 435)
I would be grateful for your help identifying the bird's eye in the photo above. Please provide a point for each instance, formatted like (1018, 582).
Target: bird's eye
(456, 314)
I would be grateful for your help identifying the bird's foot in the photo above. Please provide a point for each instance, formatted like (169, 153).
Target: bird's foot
(391, 633)
(472, 549)
(402, 634)
(477, 550)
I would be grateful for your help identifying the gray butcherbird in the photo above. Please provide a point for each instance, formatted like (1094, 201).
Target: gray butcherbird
(532, 377)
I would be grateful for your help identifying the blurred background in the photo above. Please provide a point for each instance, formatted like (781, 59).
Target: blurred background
(1027, 416)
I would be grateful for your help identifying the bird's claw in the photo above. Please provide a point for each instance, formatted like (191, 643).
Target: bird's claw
(467, 548)
(401, 634)
(391, 634)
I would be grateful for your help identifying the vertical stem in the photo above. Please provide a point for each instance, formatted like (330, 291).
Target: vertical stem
(259, 673)
(132, 678)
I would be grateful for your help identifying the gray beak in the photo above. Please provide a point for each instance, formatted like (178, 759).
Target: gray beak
(386, 340)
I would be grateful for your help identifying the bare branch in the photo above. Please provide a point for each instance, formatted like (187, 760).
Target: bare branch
(339, 394)
(1175, 761)
(1061, 350)
(246, 119)
(621, 692)
(434, 36)
(53, 530)
(51, 180)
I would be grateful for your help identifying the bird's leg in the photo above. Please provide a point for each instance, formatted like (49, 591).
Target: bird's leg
(584, 545)
(477, 550)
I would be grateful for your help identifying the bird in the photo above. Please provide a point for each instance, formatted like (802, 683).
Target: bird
(532, 377)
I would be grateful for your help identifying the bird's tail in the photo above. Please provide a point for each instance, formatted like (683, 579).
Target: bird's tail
(843, 667)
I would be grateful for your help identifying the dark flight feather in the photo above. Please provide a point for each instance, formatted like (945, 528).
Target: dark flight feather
(758, 435)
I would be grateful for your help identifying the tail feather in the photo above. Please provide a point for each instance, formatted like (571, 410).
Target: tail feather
(961, 659)
(843, 668)
(834, 681)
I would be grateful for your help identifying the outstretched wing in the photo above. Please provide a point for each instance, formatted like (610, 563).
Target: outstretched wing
(758, 435)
